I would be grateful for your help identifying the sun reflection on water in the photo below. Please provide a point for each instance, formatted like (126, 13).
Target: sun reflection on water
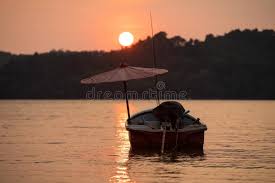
(122, 150)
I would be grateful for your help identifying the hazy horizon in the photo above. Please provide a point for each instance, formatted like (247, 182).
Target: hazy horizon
(33, 26)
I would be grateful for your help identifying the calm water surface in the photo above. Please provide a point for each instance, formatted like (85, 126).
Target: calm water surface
(85, 141)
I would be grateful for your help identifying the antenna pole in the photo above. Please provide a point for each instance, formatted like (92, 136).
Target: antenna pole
(154, 57)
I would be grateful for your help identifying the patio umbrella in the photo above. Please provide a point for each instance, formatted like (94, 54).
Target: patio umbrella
(123, 73)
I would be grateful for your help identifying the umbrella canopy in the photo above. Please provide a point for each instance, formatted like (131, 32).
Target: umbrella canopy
(123, 73)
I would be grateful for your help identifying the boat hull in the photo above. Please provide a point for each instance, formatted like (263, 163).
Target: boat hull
(153, 140)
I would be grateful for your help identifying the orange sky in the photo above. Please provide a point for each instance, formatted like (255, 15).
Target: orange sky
(42, 25)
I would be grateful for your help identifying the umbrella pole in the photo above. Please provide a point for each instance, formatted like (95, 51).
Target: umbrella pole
(126, 97)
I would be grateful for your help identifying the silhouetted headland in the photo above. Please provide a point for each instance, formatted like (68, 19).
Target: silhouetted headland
(237, 65)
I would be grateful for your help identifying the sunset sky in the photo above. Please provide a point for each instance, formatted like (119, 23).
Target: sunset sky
(30, 26)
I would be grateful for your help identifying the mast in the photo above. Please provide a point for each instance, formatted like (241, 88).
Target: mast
(154, 57)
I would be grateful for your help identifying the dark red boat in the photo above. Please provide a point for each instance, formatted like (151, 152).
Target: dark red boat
(167, 126)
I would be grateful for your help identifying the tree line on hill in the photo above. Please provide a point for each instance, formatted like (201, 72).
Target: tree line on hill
(236, 65)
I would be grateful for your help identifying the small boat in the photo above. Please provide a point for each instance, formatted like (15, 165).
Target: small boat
(168, 126)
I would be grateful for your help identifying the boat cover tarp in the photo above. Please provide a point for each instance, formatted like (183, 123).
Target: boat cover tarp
(169, 111)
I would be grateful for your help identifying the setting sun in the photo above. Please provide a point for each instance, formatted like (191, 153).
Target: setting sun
(126, 39)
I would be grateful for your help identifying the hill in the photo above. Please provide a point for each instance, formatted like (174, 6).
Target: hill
(236, 65)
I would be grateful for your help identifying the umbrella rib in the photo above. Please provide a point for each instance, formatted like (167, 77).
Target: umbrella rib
(136, 71)
(134, 68)
(111, 76)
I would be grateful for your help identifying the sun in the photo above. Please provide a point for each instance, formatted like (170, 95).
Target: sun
(125, 39)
